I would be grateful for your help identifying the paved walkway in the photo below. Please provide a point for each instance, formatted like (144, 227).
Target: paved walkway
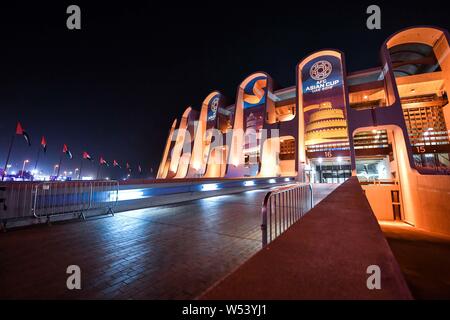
(424, 258)
(168, 252)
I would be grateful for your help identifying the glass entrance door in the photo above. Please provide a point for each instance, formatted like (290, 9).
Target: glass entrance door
(332, 170)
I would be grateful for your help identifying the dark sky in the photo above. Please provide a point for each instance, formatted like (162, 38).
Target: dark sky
(114, 87)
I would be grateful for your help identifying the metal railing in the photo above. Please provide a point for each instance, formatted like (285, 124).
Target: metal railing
(22, 200)
(16, 200)
(282, 207)
(53, 198)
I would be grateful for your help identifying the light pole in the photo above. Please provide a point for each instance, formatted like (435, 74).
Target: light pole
(75, 173)
(23, 167)
(54, 169)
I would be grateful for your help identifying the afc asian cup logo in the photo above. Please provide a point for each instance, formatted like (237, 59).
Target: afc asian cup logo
(320, 70)
(214, 104)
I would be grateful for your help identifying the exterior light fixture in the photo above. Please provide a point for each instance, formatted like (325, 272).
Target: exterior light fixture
(210, 187)
(131, 194)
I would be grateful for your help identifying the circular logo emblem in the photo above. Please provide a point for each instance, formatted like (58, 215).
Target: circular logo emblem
(215, 104)
(320, 70)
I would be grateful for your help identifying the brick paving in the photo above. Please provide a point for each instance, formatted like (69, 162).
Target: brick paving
(168, 252)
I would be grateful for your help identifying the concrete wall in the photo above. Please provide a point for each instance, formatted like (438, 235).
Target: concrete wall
(425, 198)
(433, 194)
(380, 200)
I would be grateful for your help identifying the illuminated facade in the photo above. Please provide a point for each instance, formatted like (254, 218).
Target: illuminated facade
(389, 123)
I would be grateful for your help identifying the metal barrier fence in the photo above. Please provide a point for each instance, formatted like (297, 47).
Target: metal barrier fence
(16, 200)
(19, 200)
(53, 198)
(282, 207)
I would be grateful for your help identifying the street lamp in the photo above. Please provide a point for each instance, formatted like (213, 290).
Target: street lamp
(23, 167)
(54, 169)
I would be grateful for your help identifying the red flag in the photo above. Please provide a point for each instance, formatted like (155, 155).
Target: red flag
(116, 164)
(21, 132)
(67, 151)
(87, 156)
(19, 129)
(44, 144)
(103, 161)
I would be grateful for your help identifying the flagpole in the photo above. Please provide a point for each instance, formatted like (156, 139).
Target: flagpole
(59, 166)
(37, 158)
(98, 171)
(7, 158)
(81, 167)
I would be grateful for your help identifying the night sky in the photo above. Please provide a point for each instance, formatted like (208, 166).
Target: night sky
(114, 87)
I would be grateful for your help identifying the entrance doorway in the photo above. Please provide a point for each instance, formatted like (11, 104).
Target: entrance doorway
(330, 170)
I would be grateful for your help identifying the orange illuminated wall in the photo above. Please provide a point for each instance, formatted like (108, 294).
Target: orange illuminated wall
(250, 111)
(206, 130)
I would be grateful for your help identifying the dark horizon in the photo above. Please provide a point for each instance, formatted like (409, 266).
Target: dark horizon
(114, 87)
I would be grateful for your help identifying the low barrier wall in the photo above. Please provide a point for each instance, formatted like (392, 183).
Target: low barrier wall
(23, 203)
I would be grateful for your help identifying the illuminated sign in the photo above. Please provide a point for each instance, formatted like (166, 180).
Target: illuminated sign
(212, 108)
(255, 92)
(254, 99)
(323, 98)
(323, 75)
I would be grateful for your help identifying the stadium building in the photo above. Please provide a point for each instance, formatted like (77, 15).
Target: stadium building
(387, 125)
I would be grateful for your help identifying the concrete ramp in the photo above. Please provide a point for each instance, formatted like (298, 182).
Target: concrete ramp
(325, 255)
